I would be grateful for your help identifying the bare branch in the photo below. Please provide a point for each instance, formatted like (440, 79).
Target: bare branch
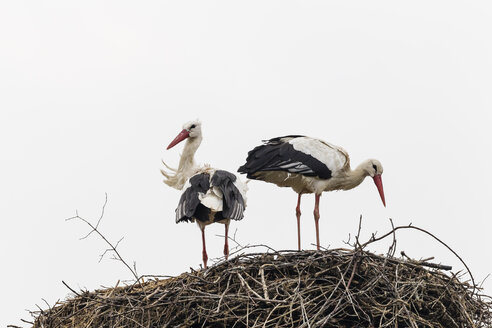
(112, 248)
(73, 291)
(392, 232)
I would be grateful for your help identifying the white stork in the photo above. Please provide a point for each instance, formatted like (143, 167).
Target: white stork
(208, 195)
(308, 165)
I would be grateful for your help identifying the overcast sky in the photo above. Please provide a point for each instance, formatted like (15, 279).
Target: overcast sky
(92, 92)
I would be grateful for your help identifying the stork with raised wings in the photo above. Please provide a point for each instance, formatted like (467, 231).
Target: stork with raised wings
(208, 195)
(308, 165)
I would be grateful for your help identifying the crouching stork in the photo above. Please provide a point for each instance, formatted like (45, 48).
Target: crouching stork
(308, 165)
(208, 195)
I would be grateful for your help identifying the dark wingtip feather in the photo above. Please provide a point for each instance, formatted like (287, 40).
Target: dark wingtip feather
(189, 203)
(233, 202)
(242, 169)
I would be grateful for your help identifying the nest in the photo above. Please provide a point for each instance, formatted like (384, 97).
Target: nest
(332, 288)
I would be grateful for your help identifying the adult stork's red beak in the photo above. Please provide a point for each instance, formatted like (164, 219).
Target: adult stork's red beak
(379, 184)
(180, 137)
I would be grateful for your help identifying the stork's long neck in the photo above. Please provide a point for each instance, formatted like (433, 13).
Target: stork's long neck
(187, 166)
(187, 161)
(354, 177)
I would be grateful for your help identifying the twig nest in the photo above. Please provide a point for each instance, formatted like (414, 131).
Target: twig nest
(333, 288)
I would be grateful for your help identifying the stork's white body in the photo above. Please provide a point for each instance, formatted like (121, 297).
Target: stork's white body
(308, 165)
(335, 158)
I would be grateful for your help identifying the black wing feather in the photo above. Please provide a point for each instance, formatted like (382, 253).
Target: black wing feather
(233, 203)
(277, 155)
(189, 205)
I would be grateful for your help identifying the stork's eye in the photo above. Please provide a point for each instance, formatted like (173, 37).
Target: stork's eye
(375, 167)
(193, 126)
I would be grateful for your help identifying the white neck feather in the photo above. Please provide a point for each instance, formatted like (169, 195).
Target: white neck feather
(355, 177)
(187, 166)
(187, 160)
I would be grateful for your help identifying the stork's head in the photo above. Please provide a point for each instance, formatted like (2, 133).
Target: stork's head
(191, 129)
(374, 169)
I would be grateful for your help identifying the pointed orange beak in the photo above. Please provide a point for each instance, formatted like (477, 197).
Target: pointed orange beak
(379, 184)
(180, 137)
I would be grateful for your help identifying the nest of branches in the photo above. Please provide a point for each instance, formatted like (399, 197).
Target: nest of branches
(330, 288)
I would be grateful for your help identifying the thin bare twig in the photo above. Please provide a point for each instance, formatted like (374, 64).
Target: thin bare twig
(375, 239)
(112, 248)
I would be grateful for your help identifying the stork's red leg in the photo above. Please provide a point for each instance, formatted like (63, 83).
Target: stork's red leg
(226, 243)
(204, 252)
(316, 218)
(298, 214)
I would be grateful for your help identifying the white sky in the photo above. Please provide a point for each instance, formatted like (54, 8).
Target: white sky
(92, 92)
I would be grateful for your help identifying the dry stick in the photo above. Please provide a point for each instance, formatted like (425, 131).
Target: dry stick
(244, 283)
(73, 291)
(269, 314)
(297, 294)
(304, 314)
(347, 285)
(374, 239)
(112, 248)
(357, 244)
(262, 275)
(223, 294)
(324, 320)
(94, 229)
(358, 248)
(412, 321)
(425, 263)
(392, 248)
